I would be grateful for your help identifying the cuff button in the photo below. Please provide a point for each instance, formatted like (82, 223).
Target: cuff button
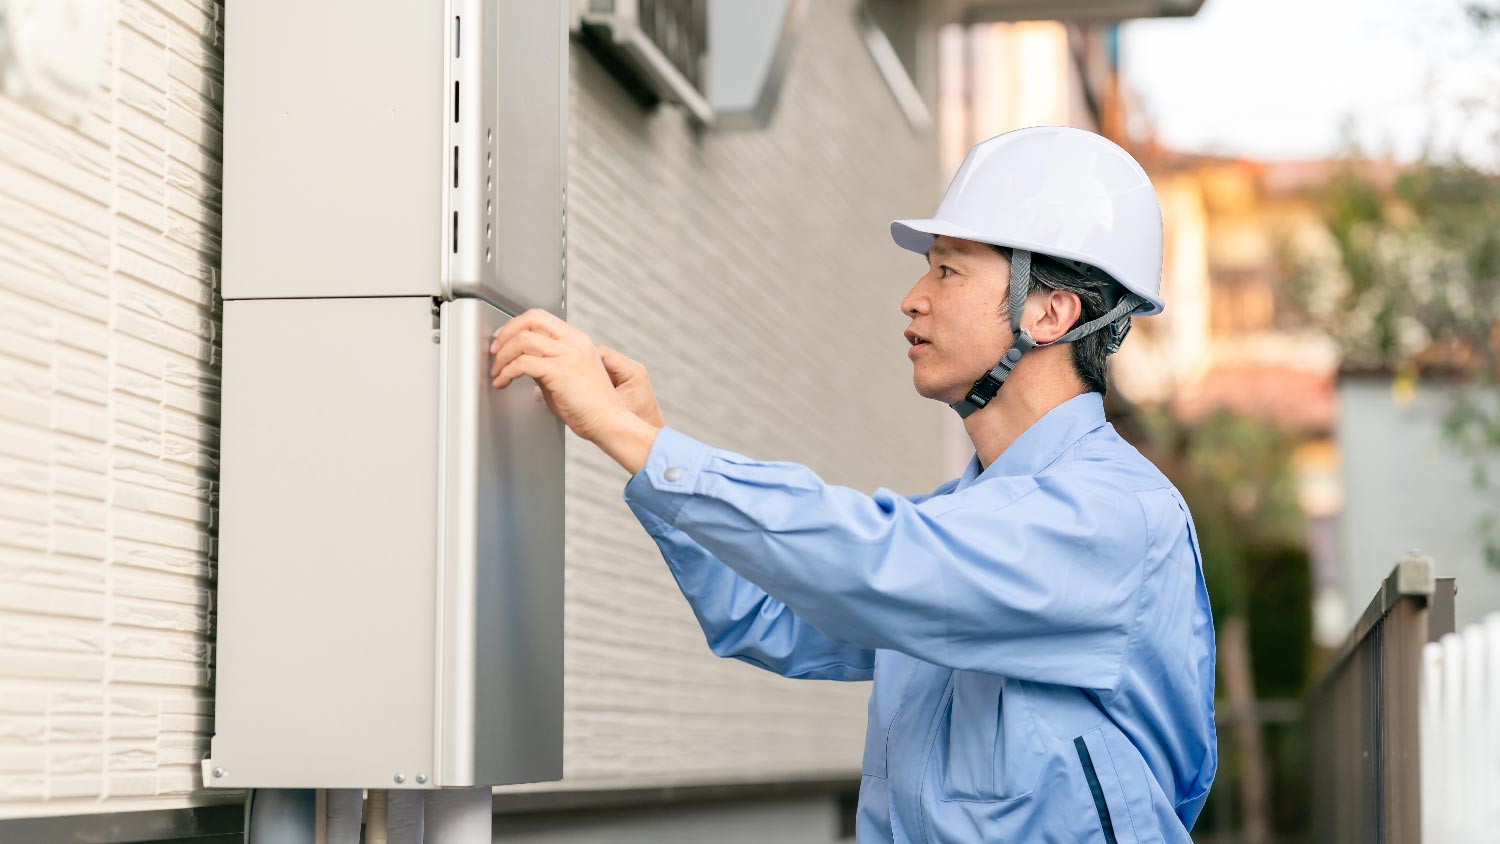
(672, 474)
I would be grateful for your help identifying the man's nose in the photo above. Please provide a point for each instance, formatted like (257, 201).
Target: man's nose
(915, 301)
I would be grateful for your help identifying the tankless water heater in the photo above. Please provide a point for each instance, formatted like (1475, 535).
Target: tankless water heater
(390, 548)
(402, 148)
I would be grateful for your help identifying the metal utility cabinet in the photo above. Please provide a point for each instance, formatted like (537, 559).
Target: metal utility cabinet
(391, 527)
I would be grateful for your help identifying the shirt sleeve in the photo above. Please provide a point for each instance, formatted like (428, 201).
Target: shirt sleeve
(742, 622)
(1035, 578)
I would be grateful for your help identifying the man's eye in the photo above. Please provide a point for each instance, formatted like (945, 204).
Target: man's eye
(945, 270)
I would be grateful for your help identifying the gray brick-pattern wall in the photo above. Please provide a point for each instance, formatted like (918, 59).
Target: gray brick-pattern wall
(754, 275)
(750, 271)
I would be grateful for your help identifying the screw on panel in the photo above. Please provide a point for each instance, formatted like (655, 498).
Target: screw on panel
(400, 777)
(421, 778)
(436, 337)
(218, 772)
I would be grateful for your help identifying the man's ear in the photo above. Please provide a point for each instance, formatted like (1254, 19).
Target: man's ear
(1059, 312)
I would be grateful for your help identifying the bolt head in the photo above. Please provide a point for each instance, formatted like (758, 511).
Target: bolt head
(218, 772)
(421, 778)
(400, 777)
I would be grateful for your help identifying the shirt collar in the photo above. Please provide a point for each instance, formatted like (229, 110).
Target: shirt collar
(1041, 444)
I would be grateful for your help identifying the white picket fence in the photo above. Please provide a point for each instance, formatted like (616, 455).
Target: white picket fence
(1460, 724)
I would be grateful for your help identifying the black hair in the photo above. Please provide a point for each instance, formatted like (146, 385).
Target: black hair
(1091, 351)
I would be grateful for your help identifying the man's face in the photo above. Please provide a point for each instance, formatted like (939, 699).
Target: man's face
(959, 308)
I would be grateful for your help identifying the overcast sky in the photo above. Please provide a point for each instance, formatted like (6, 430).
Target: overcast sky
(1280, 78)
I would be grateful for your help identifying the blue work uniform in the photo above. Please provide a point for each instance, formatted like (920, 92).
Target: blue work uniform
(1038, 631)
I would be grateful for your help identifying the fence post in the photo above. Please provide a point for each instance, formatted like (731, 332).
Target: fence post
(1363, 713)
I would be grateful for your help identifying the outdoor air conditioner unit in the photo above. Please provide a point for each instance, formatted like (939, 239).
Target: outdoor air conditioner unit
(723, 61)
(662, 44)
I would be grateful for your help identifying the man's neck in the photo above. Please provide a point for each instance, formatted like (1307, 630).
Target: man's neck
(1015, 408)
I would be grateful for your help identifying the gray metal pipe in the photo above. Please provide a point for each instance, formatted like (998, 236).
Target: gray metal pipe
(376, 824)
(403, 816)
(406, 816)
(459, 816)
(280, 816)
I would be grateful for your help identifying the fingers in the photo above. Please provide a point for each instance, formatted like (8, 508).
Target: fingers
(614, 362)
(538, 319)
(538, 368)
(526, 342)
(619, 366)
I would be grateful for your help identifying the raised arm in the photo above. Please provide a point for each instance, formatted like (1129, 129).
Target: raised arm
(742, 622)
(1032, 579)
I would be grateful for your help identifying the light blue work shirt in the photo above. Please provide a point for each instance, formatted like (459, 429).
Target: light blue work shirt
(1038, 632)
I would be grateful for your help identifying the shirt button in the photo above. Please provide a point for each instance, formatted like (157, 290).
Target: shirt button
(672, 474)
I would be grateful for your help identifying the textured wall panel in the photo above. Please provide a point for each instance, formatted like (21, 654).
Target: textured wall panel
(108, 425)
(754, 276)
(751, 272)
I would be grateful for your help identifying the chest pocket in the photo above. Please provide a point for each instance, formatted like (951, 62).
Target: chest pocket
(995, 750)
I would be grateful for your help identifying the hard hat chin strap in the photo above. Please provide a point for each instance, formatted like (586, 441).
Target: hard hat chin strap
(1117, 320)
(989, 383)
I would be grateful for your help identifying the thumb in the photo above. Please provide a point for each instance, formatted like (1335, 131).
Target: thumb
(614, 362)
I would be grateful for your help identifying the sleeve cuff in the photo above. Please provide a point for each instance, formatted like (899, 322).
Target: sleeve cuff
(670, 477)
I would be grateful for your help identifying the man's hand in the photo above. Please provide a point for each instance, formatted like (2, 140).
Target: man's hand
(574, 382)
(632, 384)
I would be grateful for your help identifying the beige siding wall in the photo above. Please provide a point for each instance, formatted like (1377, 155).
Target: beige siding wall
(751, 272)
(108, 407)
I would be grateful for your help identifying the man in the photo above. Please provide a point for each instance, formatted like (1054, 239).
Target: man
(1037, 629)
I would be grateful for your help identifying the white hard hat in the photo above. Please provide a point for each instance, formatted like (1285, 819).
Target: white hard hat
(1058, 191)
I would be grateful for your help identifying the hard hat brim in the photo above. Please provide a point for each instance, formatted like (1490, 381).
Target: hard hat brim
(917, 236)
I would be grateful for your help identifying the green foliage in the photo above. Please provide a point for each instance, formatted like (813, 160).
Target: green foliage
(1484, 16)
(1280, 608)
(1473, 427)
(1249, 461)
(1414, 268)
(1412, 284)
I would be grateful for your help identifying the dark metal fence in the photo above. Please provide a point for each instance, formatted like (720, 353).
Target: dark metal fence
(1363, 717)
